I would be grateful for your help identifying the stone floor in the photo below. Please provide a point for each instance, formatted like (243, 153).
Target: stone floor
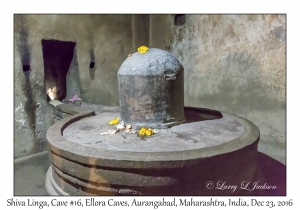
(30, 173)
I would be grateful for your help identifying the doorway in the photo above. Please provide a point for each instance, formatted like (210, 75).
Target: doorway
(57, 56)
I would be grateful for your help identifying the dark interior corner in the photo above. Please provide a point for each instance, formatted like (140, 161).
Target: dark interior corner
(179, 19)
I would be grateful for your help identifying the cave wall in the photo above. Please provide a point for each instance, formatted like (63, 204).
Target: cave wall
(105, 40)
(160, 32)
(237, 64)
(141, 30)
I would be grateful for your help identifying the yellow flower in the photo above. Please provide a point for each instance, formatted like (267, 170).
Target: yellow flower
(146, 131)
(143, 49)
(149, 132)
(142, 132)
(114, 121)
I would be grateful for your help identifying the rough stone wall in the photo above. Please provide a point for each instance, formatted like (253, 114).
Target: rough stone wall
(236, 63)
(109, 38)
(140, 31)
(31, 111)
(160, 32)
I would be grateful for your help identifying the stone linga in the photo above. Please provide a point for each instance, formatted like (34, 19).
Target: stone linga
(151, 90)
(192, 150)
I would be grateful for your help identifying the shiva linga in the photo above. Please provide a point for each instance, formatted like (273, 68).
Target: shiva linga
(187, 152)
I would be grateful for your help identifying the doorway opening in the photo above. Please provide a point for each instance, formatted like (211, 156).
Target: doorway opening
(58, 56)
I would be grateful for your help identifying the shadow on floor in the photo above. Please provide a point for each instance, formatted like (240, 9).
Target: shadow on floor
(30, 175)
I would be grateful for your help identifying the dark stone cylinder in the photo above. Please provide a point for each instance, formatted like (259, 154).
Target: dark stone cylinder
(151, 90)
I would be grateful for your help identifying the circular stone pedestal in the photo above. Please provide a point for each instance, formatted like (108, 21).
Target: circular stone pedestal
(187, 159)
